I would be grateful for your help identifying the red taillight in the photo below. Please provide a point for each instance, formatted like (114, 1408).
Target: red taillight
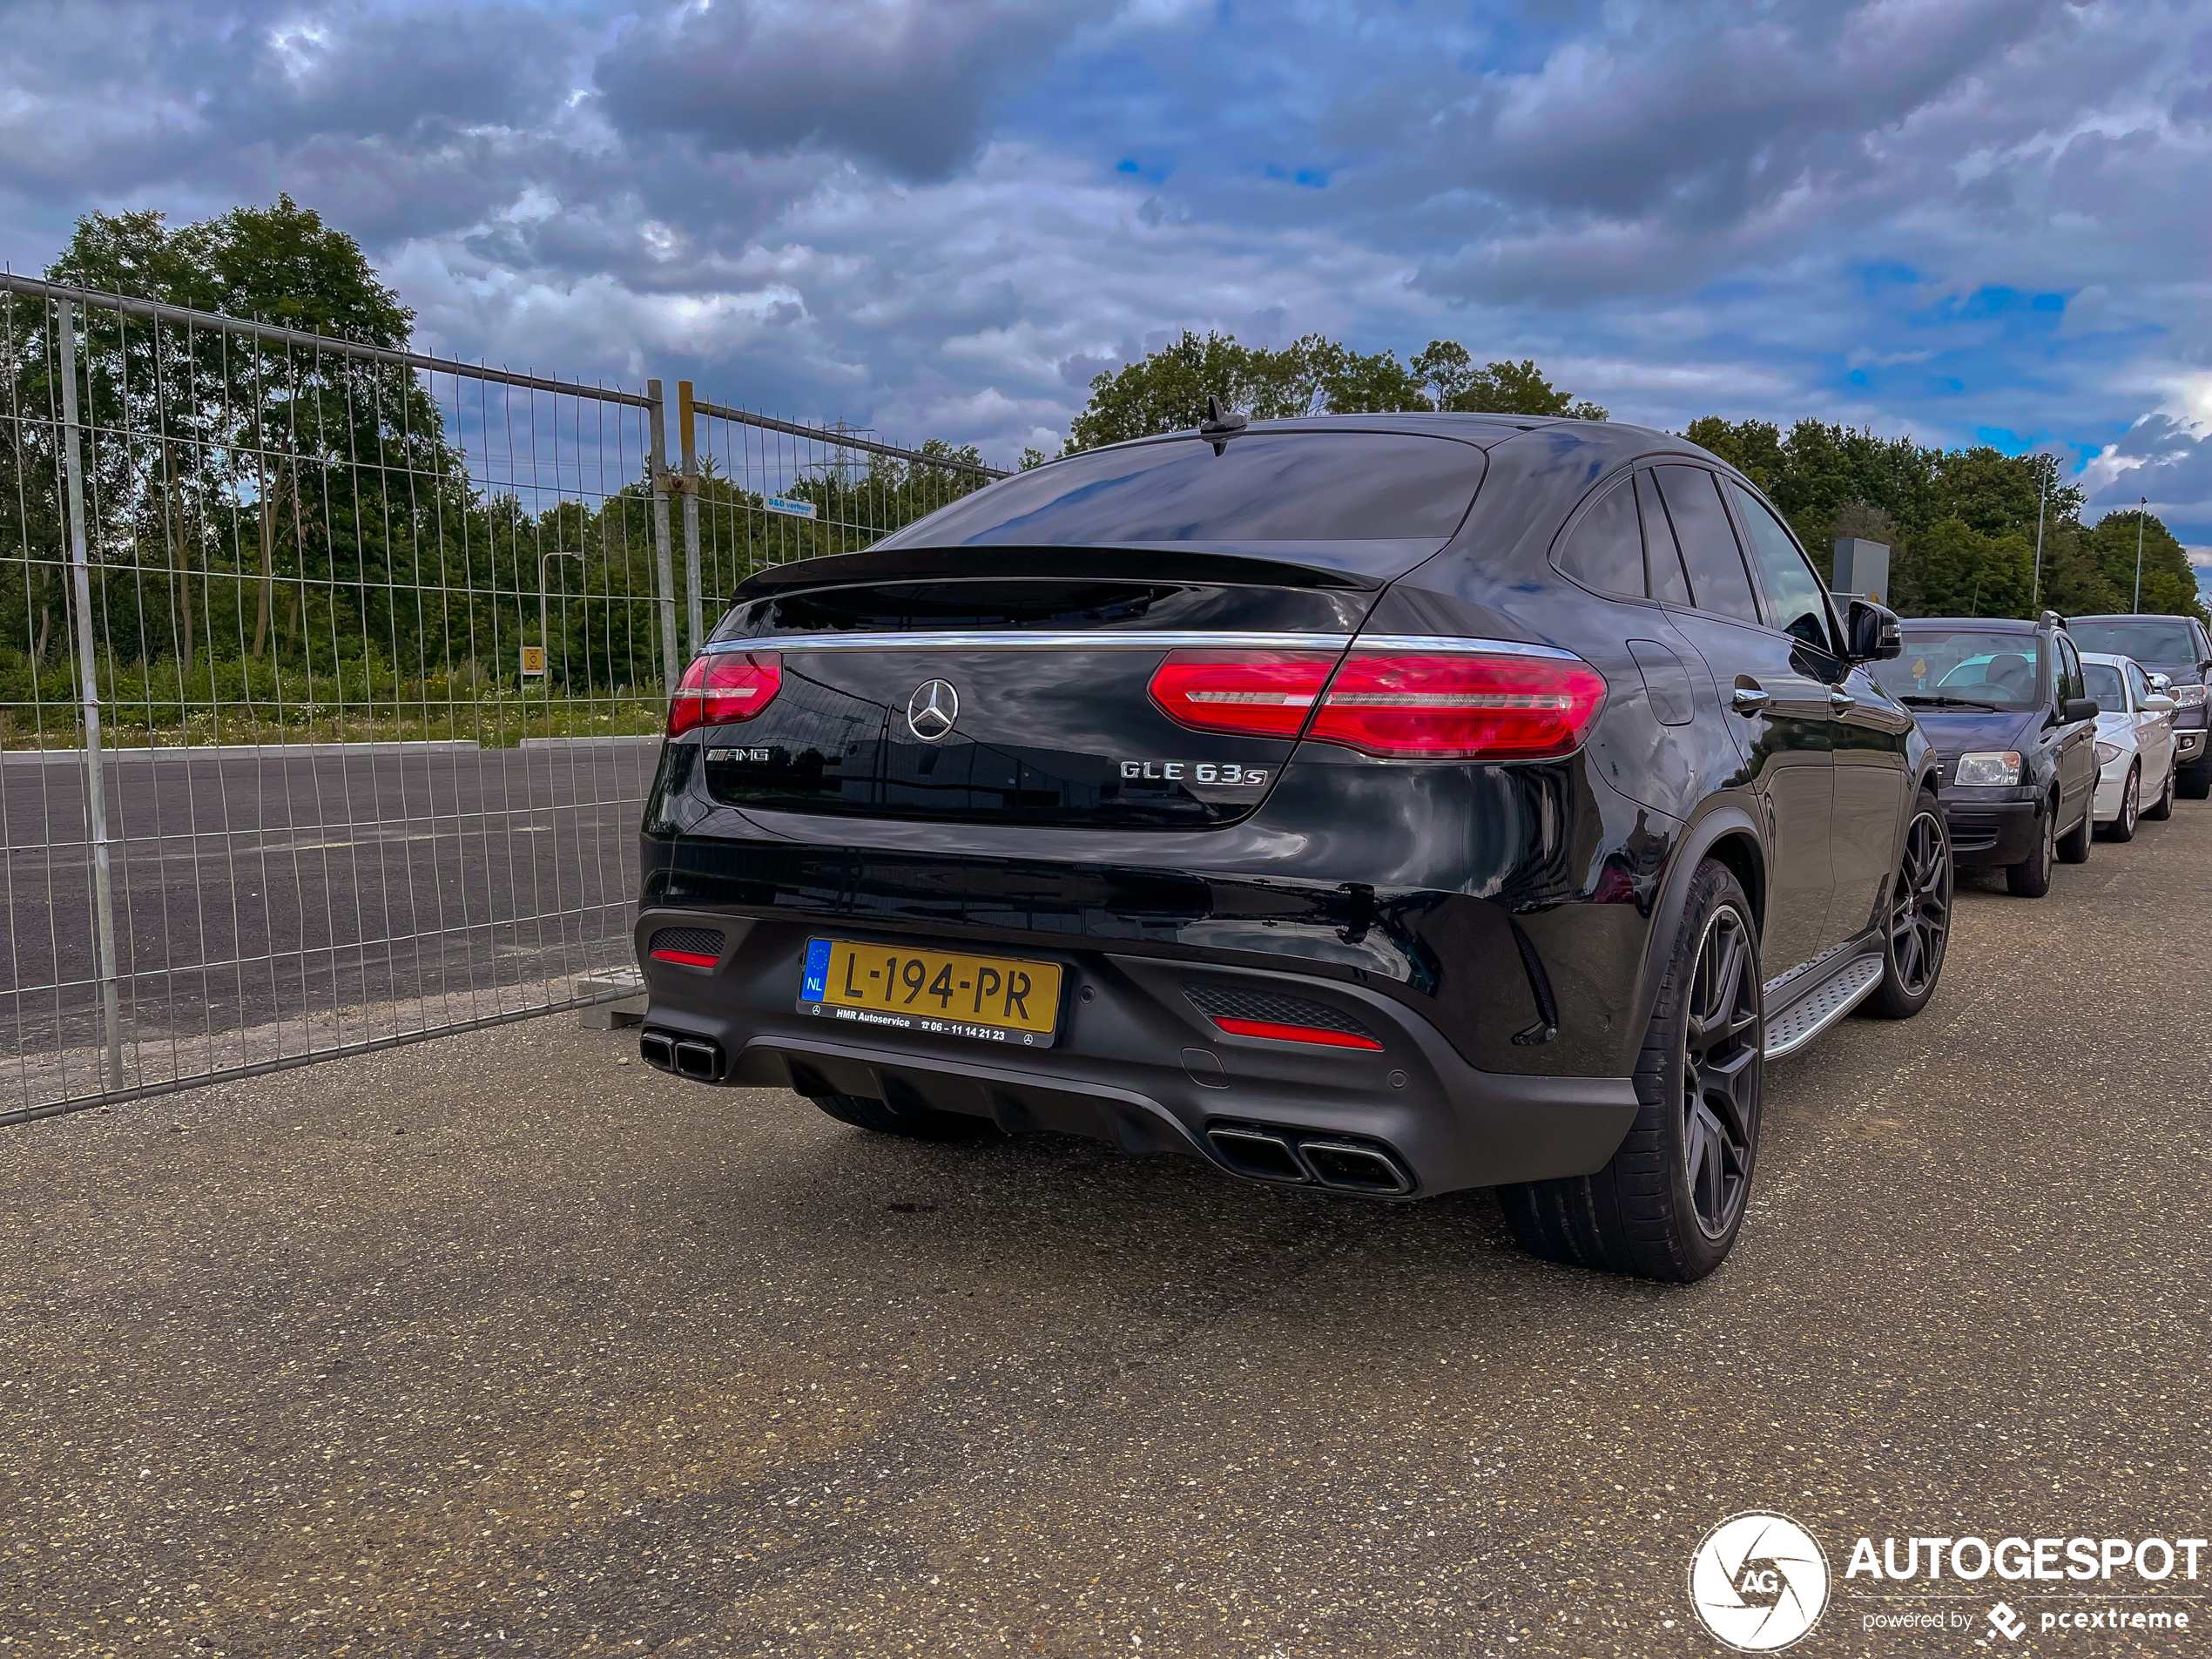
(1256, 693)
(718, 690)
(1458, 706)
(689, 958)
(1277, 1032)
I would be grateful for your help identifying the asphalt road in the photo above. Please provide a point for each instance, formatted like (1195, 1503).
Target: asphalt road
(250, 888)
(505, 1344)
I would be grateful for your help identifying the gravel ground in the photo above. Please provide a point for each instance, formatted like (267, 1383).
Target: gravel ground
(505, 1342)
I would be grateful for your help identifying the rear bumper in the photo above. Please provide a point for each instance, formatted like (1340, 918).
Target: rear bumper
(1993, 826)
(1137, 1063)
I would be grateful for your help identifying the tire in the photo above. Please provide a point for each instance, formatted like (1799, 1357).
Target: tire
(2196, 783)
(2123, 828)
(2161, 809)
(1918, 917)
(1648, 1212)
(924, 1125)
(2073, 846)
(2031, 877)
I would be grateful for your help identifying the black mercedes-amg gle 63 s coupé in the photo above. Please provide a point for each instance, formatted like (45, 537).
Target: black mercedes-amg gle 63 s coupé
(1386, 805)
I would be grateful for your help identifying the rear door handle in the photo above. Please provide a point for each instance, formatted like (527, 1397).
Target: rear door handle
(1748, 697)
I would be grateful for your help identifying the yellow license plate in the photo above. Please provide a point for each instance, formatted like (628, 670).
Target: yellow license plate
(999, 999)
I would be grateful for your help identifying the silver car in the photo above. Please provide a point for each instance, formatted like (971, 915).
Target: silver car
(2134, 744)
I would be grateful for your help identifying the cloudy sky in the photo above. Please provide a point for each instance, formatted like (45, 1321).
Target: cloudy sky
(1965, 219)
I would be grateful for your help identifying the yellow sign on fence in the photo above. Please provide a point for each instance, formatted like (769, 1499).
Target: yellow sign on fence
(533, 660)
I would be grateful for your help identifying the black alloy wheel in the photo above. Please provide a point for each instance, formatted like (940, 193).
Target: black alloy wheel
(2123, 828)
(1722, 1041)
(1918, 918)
(1671, 1201)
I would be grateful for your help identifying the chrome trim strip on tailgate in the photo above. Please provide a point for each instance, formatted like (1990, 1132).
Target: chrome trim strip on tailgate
(1440, 642)
(1040, 639)
(1128, 639)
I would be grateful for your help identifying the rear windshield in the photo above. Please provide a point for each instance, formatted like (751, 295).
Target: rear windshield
(2148, 639)
(1263, 486)
(1964, 666)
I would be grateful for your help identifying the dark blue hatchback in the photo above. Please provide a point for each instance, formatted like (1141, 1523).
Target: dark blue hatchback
(2014, 731)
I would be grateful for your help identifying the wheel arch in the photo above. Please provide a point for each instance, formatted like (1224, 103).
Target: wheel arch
(1729, 835)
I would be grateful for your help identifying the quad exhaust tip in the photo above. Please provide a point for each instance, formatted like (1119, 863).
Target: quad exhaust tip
(699, 1058)
(1264, 1152)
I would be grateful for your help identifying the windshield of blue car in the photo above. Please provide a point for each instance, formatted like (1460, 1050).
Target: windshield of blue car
(2106, 685)
(2148, 639)
(1963, 668)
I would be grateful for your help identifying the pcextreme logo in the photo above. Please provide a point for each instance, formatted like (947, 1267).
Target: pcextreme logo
(1758, 1581)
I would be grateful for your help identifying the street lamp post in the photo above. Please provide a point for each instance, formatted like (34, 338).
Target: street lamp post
(542, 638)
(2036, 597)
(2142, 511)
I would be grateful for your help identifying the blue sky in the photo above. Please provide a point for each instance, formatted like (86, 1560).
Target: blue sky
(1966, 219)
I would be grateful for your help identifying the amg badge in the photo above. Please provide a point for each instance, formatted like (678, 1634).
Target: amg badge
(1193, 771)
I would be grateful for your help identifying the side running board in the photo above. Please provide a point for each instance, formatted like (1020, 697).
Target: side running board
(1836, 995)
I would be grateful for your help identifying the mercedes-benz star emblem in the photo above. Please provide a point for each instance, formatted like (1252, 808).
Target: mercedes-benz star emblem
(931, 710)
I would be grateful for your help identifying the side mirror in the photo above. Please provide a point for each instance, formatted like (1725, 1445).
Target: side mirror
(2081, 708)
(2162, 684)
(2158, 703)
(1870, 632)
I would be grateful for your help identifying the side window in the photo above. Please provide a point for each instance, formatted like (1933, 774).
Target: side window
(1718, 582)
(2071, 684)
(1661, 562)
(1800, 602)
(1606, 548)
(2138, 683)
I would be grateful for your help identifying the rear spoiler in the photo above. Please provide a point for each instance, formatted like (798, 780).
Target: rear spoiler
(1356, 567)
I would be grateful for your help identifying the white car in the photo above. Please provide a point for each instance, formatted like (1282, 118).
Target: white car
(2134, 744)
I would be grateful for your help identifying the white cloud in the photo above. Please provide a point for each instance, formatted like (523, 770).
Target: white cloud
(911, 214)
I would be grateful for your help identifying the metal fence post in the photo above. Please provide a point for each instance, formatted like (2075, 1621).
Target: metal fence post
(88, 669)
(686, 432)
(665, 563)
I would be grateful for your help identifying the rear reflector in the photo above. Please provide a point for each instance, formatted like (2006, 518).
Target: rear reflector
(719, 690)
(1460, 706)
(1256, 693)
(1275, 1033)
(689, 958)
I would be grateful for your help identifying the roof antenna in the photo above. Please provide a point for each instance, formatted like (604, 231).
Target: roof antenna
(1219, 424)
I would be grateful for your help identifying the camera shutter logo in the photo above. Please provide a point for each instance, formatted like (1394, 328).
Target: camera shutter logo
(1758, 1581)
(931, 710)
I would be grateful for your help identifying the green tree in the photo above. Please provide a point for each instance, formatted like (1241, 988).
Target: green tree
(1956, 520)
(1960, 572)
(1166, 390)
(1753, 448)
(1446, 372)
(1998, 494)
(2073, 583)
(2168, 584)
